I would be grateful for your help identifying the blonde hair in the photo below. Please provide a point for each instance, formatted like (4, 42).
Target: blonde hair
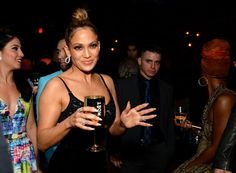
(80, 14)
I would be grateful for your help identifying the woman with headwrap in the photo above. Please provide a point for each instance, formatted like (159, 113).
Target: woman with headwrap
(215, 66)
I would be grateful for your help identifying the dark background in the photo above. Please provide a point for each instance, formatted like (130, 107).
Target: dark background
(163, 20)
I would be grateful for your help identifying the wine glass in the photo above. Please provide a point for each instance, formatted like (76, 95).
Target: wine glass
(181, 119)
(98, 102)
(180, 116)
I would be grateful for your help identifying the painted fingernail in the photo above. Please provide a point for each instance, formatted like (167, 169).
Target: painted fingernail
(95, 110)
(79, 110)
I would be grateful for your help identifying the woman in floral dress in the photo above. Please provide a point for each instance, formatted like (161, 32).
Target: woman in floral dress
(16, 111)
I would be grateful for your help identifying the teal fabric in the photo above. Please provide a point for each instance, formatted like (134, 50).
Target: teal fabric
(42, 83)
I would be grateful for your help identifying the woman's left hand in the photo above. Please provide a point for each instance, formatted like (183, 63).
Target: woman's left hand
(131, 117)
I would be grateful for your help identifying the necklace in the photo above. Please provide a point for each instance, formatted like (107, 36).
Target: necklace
(211, 100)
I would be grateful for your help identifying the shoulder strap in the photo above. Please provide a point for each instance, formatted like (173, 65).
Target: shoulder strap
(105, 84)
(65, 84)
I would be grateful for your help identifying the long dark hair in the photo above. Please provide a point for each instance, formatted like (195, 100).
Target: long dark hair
(19, 77)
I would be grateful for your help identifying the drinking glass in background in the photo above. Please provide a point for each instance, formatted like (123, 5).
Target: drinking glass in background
(180, 116)
(181, 119)
(98, 102)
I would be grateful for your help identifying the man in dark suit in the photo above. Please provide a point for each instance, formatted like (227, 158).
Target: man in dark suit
(150, 153)
(5, 159)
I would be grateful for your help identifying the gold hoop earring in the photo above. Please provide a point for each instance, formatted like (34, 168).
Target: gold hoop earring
(202, 81)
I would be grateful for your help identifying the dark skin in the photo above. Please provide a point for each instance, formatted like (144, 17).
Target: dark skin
(218, 115)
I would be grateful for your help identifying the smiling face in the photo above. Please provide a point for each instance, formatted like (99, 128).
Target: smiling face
(12, 54)
(84, 48)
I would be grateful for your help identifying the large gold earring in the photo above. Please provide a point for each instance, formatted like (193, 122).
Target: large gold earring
(202, 81)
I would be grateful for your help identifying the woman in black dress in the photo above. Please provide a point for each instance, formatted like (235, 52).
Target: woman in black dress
(64, 119)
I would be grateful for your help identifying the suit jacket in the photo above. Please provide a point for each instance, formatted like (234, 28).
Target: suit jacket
(128, 90)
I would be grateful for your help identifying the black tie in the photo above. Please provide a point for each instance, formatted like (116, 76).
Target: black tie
(147, 91)
(147, 130)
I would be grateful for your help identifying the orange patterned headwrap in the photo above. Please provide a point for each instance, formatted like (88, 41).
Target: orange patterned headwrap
(216, 58)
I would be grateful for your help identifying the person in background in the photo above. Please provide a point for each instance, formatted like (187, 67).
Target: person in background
(141, 152)
(16, 110)
(129, 65)
(63, 117)
(215, 64)
(63, 56)
(225, 158)
(27, 67)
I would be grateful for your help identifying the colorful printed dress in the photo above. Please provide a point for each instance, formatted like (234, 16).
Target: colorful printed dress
(14, 129)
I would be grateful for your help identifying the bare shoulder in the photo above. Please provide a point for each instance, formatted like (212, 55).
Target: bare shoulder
(108, 79)
(226, 98)
(54, 84)
(222, 108)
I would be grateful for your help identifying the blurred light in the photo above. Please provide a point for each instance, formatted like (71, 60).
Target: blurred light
(189, 44)
(40, 30)
(197, 34)
(116, 41)
(112, 49)
(26, 64)
(187, 32)
(46, 60)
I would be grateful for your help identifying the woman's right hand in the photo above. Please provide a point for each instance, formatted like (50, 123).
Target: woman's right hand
(85, 118)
